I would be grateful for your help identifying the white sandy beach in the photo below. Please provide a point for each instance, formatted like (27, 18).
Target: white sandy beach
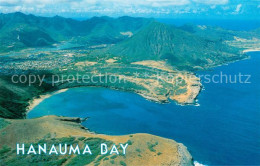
(251, 50)
(36, 101)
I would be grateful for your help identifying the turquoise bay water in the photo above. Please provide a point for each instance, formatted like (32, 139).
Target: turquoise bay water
(224, 129)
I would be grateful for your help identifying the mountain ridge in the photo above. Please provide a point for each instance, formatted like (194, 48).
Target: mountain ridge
(179, 48)
(133, 39)
(97, 30)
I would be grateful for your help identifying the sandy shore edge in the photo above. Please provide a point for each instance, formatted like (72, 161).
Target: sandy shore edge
(37, 100)
(251, 50)
(194, 90)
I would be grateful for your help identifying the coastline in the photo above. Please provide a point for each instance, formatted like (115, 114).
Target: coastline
(251, 50)
(37, 100)
(190, 99)
(60, 129)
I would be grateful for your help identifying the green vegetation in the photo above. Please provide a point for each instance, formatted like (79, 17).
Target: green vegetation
(94, 144)
(124, 39)
(122, 163)
(151, 146)
(56, 130)
(3, 123)
(81, 138)
(14, 98)
(217, 33)
(184, 47)
(4, 150)
(12, 159)
(180, 48)
(113, 157)
(129, 142)
(138, 150)
(18, 31)
(65, 140)
(180, 91)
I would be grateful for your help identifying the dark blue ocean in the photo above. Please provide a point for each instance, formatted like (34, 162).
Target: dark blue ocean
(224, 129)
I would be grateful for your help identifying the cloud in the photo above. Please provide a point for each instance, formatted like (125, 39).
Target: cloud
(97, 6)
(225, 7)
(212, 2)
(127, 7)
(30, 2)
(150, 3)
(238, 8)
(164, 3)
(9, 3)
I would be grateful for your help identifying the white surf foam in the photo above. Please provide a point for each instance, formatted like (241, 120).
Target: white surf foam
(196, 163)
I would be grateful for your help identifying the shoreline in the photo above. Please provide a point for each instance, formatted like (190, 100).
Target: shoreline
(61, 128)
(37, 100)
(191, 99)
(251, 50)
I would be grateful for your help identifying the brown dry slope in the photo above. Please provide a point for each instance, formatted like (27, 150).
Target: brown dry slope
(143, 149)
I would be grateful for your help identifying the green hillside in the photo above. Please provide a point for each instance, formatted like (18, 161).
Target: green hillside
(18, 31)
(180, 48)
(218, 33)
(126, 39)
(14, 98)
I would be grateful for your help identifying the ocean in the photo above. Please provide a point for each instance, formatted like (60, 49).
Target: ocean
(224, 129)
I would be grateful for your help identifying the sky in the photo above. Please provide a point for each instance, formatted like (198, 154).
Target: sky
(144, 8)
